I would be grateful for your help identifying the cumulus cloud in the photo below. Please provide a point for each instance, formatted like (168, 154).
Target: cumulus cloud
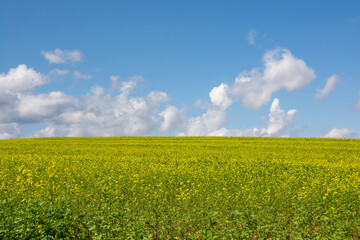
(329, 87)
(215, 117)
(43, 107)
(212, 123)
(78, 75)
(59, 56)
(340, 133)
(278, 123)
(172, 118)
(125, 86)
(98, 113)
(46, 132)
(18, 83)
(102, 114)
(278, 120)
(11, 130)
(281, 71)
(219, 96)
(254, 89)
(20, 80)
(203, 125)
(115, 112)
(250, 37)
(18, 103)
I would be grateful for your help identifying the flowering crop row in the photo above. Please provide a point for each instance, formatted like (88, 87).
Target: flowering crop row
(180, 188)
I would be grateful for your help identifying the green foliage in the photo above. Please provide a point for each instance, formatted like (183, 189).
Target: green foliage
(179, 188)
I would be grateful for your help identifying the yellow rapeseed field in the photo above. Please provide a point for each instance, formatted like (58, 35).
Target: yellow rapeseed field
(179, 188)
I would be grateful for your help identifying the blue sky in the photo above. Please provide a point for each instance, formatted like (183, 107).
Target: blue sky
(217, 68)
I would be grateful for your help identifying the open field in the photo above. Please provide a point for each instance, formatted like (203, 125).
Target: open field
(179, 188)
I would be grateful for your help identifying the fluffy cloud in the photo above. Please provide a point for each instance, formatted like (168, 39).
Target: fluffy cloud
(281, 71)
(115, 112)
(78, 75)
(20, 80)
(43, 107)
(278, 123)
(46, 132)
(172, 118)
(102, 114)
(278, 120)
(203, 125)
(19, 105)
(254, 89)
(11, 130)
(16, 86)
(212, 123)
(340, 133)
(329, 87)
(219, 96)
(98, 113)
(58, 56)
(125, 86)
(215, 117)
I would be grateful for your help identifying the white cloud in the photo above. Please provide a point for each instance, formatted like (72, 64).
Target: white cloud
(78, 75)
(219, 96)
(250, 37)
(18, 103)
(58, 56)
(340, 133)
(30, 108)
(212, 123)
(59, 72)
(215, 117)
(20, 80)
(278, 120)
(99, 113)
(15, 85)
(154, 98)
(46, 132)
(281, 71)
(43, 107)
(104, 115)
(254, 89)
(125, 86)
(172, 118)
(329, 87)
(11, 130)
(106, 112)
